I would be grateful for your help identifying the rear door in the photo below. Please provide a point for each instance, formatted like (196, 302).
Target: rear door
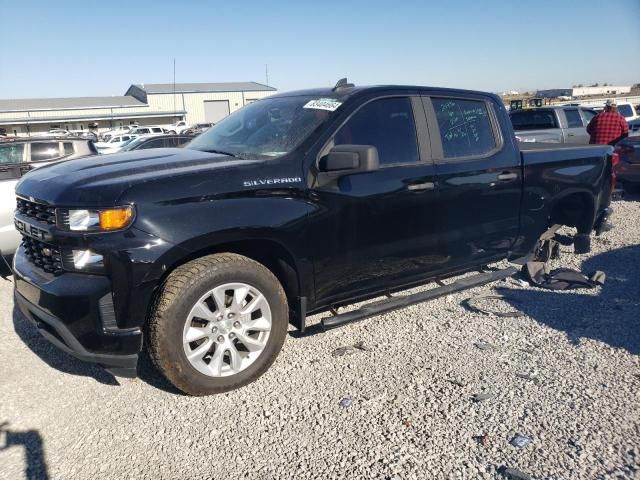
(575, 130)
(479, 179)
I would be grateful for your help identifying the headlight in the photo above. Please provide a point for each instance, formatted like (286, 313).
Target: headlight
(102, 220)
(85, 261)
(86, 258)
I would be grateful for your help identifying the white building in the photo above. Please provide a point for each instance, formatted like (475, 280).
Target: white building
(608, 90)
(583, 91)
(145, 104)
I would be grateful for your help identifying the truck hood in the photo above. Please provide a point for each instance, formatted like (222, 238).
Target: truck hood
(101, 180)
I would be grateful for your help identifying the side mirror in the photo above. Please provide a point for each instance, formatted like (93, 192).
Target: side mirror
(346, 159)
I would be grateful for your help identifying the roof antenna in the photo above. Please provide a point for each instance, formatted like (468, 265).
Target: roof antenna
(342, 83)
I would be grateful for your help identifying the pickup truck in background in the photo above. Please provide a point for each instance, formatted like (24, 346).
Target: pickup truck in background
(565, 124)
(628, 111)
(295, 204)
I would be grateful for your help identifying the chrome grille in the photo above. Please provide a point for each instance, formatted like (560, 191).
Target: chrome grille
(40, 212)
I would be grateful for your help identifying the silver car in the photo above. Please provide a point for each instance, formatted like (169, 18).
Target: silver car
(562, 124)
(18, 155)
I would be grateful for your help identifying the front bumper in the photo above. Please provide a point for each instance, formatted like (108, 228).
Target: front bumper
(75, 313)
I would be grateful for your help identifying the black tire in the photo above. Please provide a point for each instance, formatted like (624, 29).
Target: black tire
(171, 132)
(180, 292)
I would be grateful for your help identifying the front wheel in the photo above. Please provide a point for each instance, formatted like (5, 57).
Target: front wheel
(218, 324)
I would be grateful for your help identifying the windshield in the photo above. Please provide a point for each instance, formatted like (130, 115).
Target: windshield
(625, 110)
(267, 128)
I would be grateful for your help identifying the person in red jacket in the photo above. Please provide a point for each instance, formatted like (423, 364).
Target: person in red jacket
(608, 127)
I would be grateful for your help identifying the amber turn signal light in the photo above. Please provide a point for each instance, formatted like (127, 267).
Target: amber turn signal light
(115, 218)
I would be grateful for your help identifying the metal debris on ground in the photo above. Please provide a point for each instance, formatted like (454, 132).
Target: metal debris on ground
(346, 402)
(539, 274)
(547, 250)
(482, 345)
(530, 378)
(520, 441)
(472, 305)
(350, 349)
(481, 397)
(519, 281)
(513, 474)
(483, 439)
(456, 381)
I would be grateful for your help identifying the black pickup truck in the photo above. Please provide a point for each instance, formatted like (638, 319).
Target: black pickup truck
(296, 204)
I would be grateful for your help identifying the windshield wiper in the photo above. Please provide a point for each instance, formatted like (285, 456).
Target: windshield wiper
(221, 152)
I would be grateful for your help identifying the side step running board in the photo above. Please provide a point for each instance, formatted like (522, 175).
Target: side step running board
(396, 303)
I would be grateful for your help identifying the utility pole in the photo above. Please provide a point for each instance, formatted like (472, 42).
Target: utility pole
(174, 89)
(266, 73)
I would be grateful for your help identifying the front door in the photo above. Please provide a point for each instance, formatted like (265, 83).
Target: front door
(479, 180)
(376, 229)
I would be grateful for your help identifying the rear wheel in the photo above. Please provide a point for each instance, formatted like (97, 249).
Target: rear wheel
(218, 324)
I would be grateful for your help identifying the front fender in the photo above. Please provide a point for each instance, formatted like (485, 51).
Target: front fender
(197, 228)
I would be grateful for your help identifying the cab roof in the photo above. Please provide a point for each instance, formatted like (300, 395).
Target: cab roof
(351, 91)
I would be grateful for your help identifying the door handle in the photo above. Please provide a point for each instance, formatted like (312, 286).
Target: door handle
(506, 176)
(571, 134)
(417, 187)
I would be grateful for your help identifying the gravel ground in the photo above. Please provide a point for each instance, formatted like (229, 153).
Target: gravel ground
(565, 375)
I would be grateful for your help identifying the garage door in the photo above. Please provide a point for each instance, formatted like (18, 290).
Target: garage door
(215, 110)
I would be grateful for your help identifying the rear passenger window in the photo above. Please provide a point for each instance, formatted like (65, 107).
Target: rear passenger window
(533, 119)
(156, 130)
(388, 125)
(465, 127)
(68, 148)
(573, 118)
(44, 151)
(11, 153)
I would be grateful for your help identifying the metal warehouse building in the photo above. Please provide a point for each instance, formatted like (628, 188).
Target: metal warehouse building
(144, 104)
(583, 91)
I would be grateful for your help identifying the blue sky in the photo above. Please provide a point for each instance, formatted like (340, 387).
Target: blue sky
(68, 48)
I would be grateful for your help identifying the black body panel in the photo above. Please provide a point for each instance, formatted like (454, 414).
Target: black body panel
(345, 238)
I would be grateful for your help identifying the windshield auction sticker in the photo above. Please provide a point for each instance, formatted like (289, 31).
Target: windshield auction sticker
(323, 104)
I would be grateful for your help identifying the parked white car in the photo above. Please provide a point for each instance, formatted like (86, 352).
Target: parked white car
(114, 142)
(628, 111)
(178, 127)
(149, 129)
(17, 157)
(116, 131)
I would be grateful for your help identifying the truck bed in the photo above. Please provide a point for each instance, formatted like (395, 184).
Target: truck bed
(535, 153)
